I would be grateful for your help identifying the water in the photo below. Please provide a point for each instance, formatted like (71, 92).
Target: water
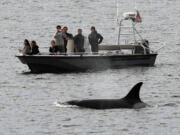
(27, 100)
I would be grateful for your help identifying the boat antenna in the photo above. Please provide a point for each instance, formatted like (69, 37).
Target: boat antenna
(117, 11)
(117, 19)
(135, 5)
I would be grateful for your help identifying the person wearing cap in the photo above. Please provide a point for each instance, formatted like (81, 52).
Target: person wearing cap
(59, 39)
(94, 39)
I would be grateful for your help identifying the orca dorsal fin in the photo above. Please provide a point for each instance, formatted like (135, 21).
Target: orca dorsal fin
(134, 92)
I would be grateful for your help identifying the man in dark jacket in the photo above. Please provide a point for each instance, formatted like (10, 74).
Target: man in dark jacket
(68, 36)
(94, 39)
(79, 41)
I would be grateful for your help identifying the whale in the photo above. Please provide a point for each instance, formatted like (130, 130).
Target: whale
(130, 101)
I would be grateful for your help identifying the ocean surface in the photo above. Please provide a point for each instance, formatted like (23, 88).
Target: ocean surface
(27, 101)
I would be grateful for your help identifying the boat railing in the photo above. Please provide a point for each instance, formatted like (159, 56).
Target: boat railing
(162, 45)
(115, 47)
(132, 17)
(131, 47)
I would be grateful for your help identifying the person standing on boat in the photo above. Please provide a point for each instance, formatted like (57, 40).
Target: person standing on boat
(94, 39)
(68, 36)
(79, 41)
(59, 39)
(27, 48)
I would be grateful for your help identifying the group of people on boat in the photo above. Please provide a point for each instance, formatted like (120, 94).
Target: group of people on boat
(30, 48)
(65, 42)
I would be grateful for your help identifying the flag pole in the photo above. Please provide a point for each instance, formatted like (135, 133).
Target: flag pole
(117, 19)
(135, 5)
(117, 11)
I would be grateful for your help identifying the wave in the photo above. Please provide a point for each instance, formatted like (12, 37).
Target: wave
(63, 105)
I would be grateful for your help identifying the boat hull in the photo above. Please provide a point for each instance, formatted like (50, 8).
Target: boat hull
(64, 63)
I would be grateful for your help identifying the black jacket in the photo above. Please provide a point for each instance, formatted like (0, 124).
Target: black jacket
(54, 49)
(68, 35)
(95, 38)
(79, 42)
(34, 50)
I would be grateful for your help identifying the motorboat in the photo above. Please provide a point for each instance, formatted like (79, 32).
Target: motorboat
(136, 52)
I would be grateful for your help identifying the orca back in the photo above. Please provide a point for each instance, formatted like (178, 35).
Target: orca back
(131, 100)
(134, 92)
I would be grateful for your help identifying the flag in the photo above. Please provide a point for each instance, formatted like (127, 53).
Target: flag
(138, 17)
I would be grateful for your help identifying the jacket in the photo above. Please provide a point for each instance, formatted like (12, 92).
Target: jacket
(68, 35)
(95, 38)
(79, 42)
(59, 38)
(35, 50)
(26, 49)
(54, 49)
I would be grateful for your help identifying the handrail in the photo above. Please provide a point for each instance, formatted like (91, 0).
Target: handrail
(164, 45)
